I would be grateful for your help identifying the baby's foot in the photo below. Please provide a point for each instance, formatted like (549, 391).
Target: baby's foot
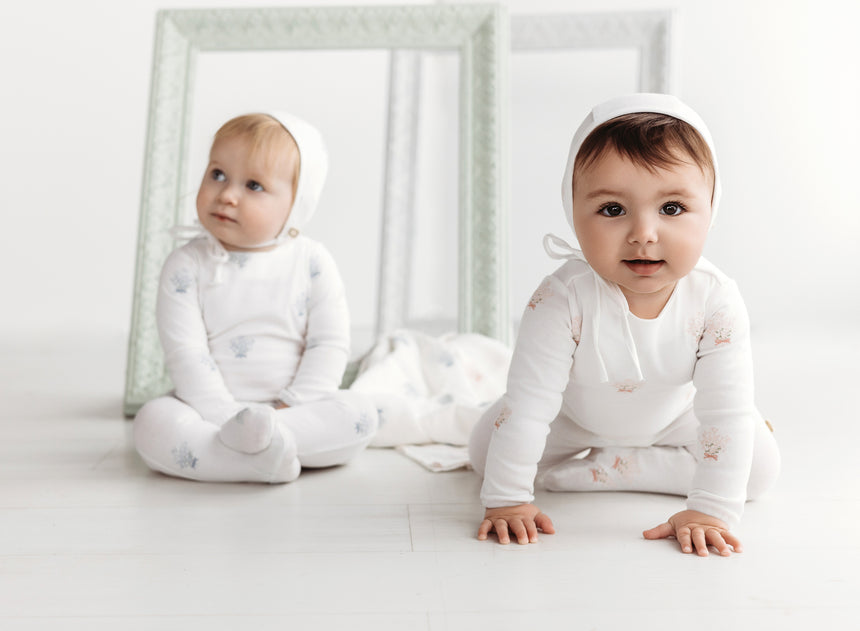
(573, 474)
(250, 431)
(289, 467)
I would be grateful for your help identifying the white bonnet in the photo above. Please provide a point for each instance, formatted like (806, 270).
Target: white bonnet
(629, 104)
(312, 174)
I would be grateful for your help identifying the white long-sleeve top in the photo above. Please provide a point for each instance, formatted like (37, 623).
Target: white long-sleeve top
(581, 352)
(252, 326)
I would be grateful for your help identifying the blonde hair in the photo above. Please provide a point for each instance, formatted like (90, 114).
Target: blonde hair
(265, 134)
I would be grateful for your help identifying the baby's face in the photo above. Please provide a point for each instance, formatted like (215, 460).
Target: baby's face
(244, 199)
(642, 230)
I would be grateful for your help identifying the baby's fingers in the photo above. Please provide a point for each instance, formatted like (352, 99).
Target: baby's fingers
(501, 527)
(484, 529)
(722, 540)
(660, 532)
(684, 540)
(544, 523)
(700, 541)
(521, 529)
(733, 541)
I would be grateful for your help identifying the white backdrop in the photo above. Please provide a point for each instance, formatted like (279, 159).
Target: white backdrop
(777, 81)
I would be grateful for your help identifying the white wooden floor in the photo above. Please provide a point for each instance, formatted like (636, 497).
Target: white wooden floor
(90, 539)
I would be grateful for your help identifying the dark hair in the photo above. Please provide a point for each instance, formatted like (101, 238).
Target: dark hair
(649, 140)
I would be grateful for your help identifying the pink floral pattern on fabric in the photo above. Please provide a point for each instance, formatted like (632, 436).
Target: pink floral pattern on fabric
(599, 475)
(502, 418)
(541, 293)
(720, 328)
(625, 466)
(713, 443)
(626, 387)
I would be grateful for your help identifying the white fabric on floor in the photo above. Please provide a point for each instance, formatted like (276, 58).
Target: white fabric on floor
(431, 389)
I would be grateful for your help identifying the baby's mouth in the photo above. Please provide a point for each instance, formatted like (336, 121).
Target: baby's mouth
(223, 218)
(643, 267)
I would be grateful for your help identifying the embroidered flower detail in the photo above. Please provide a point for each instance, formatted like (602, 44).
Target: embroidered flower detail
(599, 475)
(625, 466)
(576, 329)
(182, 281)
(362, 425)
(696, 327)
(713, 443)
(183, 457)
(541, 293)
(720, 328)
(445, 358)
(239, 258)
(503, 417)
(627, 386)
(241, 346)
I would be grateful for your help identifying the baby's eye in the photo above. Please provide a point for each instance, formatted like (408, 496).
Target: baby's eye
(254, 186)
(672, 209)
(218, 175)
(611, 210)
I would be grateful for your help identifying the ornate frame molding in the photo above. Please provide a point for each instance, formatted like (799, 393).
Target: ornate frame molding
(651, 33)
(478, 32)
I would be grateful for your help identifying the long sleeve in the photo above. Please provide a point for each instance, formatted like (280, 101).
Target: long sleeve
(192, 369)
(538, 376)
(326, 353)
(725, 408)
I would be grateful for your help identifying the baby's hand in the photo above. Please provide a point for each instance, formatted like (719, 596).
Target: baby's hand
(692, 528)
(523, 521)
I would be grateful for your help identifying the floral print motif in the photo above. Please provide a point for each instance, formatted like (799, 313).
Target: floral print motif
(207, 361)
(362, 425)
(314, 268)
(625, 466)
(599, 475)
(719, 327)
(241, 346)
(239, 258)
(445, 359)
(503, 417)
(627, 387)
(713, 443)
(182, 281)
(183, 457)
(541, 293)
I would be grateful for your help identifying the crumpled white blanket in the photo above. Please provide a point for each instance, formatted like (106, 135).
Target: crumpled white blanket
(432, 389)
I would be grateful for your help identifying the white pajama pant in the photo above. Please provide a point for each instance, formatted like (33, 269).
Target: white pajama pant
(173, 438)
(673, 448)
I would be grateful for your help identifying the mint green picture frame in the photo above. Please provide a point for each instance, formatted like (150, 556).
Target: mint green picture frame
(479, 34)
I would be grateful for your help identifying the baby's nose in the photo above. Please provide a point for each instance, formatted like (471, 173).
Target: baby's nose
(643, 229)
(228, 195)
